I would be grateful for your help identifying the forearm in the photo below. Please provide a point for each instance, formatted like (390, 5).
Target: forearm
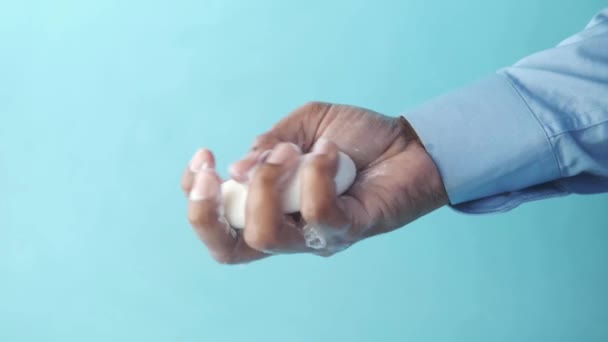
(532, 130)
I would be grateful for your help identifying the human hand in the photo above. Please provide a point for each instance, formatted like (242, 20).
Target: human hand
(396, 183)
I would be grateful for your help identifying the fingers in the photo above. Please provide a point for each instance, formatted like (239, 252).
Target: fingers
(203, 158)
(242, 170)
(299, 128)
(326, 226)
(267, 228)
(326, 222)
(205, 215)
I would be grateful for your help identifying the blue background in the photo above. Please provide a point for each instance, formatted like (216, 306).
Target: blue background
(103, 102)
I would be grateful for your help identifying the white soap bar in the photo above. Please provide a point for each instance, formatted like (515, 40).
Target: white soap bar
(234, 194)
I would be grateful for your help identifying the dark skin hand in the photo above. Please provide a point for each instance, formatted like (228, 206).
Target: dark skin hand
(397, 182)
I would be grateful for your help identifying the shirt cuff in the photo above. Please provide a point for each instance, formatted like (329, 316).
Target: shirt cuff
(484, 140)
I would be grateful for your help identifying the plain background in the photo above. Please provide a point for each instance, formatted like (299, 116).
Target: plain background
(103, 102)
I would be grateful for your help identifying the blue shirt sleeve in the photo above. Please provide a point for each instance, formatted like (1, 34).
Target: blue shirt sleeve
(530, 131)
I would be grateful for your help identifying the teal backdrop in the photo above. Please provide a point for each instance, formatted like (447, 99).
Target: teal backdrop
(103, 102)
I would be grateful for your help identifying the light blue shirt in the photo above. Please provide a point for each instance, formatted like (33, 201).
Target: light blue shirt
(530, 131)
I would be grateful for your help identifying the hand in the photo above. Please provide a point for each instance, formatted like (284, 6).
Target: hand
(396, 183)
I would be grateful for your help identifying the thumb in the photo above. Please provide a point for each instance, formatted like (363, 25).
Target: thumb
(299, 128)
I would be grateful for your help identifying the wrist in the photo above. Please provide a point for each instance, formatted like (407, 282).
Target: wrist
(432, 177)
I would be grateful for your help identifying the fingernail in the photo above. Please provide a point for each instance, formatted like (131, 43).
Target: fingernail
(280, 154)
(322, 146)
(240, 169)
(236, 173)
(296, 147)
(264, 156)
(205, 186)
(197, 161)
(251, 172)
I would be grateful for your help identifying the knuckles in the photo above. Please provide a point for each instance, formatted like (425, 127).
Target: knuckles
(261, 241)
(266, 176)
(317, 210)
(186, 184)
(224, 258)
(319, 166)
(264, 142)
(187, 181)
(202, 215)
(315, 106)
